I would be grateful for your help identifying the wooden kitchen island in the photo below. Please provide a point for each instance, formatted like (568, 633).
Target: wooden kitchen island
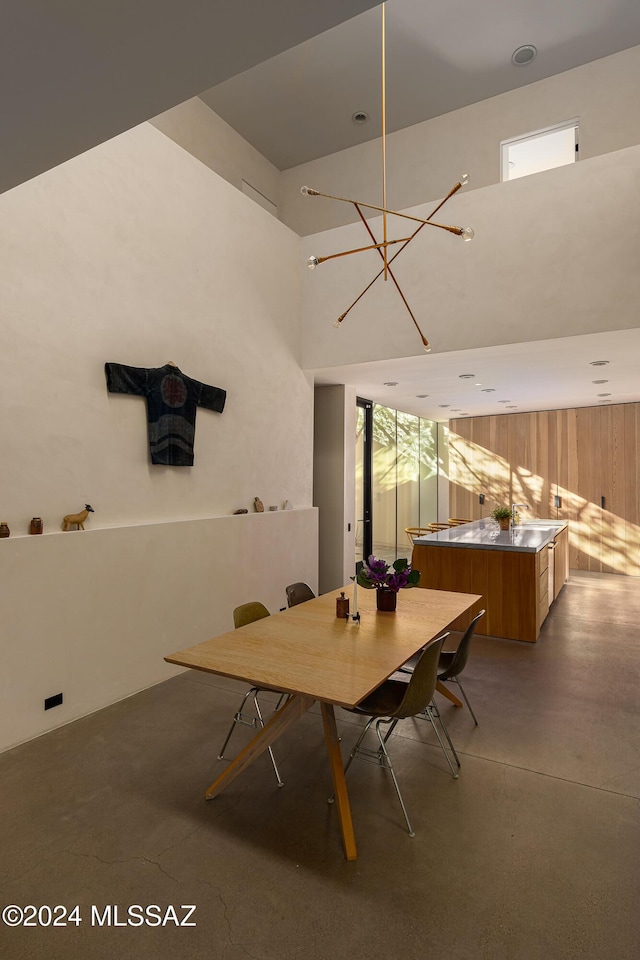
(518, 572)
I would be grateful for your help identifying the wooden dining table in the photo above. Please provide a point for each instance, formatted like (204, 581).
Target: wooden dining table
(307, 652)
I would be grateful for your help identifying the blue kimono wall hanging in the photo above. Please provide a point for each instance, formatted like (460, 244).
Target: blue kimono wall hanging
(172, 399)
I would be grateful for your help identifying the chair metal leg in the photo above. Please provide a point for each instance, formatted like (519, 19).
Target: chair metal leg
(354, 752)
(255, 722)
(279, 780)
(389, 767)
(464, 696)
(238, 718)
(429, 713)
(434, 707)
(356, 747)
(380, 757)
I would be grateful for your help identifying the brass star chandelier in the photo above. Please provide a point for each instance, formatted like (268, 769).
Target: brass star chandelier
(383, 246)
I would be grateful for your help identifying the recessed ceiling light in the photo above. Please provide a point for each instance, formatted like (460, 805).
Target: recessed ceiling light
(466, 376)
(524, 54)
(603, 394)
(464, 414)
(598, 363)
(477, 384)
(360, 116)
(444, 405)
(391, 383)
(504, 401)
(599, 381)
(455, 409)
(488, 390)
(421, 396)
(512, 407)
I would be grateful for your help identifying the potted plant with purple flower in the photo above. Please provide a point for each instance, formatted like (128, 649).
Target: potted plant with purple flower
(387, 579)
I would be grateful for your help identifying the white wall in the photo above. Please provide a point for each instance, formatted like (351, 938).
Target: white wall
(425, 160)
(554, 255)
(91, 615)
(334, 483)
(208, 137)
(136, 252)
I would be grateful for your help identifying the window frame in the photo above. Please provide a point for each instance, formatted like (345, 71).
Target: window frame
(536, 135)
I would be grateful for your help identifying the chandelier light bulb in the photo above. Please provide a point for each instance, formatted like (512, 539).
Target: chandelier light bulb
(312, 263)
(308, 192)
(464, 179)
(468, 233)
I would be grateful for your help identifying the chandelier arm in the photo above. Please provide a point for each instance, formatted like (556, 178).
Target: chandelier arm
(453, 190)
(379, 274)
(369, 206)
(374, 246)
(406, 216)
(425, 342)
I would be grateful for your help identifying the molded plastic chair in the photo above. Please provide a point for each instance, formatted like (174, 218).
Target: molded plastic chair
(452, 662)
(397, 699)
(298, 593)
(242, 615)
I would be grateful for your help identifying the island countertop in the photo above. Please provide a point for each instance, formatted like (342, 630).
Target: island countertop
(526, 537)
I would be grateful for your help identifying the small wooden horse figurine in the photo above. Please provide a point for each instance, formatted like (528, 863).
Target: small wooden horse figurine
(77, 518)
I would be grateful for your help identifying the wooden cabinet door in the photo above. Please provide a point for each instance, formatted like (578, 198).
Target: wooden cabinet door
(561, 561)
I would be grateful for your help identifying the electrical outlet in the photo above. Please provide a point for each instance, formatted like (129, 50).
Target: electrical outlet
(481, 499)
(53, 701)
(557, 501)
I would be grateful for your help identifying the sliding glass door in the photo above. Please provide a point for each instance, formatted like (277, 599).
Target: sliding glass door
(396, 479)
(364, 438)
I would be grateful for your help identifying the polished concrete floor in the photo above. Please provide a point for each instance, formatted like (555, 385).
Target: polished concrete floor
(532, 854)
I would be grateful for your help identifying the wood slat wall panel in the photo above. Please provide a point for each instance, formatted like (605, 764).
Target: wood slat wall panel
(579, 454)
(630, 480)
(570, 454)
(611, 545)
(589, 487)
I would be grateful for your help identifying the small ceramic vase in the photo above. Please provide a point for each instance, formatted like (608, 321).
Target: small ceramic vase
(386, 600)
(342, 606)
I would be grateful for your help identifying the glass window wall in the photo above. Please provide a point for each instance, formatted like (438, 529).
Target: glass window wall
(405, 479)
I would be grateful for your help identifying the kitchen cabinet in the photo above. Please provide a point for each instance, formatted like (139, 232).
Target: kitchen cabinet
(509, 570)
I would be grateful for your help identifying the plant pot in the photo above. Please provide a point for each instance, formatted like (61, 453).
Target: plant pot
(505, 523)
(386, 600)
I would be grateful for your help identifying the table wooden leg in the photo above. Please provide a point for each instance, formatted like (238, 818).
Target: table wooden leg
(440, 687)
(339, 782)
(295, 707)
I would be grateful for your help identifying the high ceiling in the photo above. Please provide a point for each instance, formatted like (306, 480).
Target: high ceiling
(288, 75)
(440, 55)
(513, 378)
(76, 73)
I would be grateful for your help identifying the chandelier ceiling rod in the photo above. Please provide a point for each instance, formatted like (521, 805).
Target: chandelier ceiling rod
(465, 232)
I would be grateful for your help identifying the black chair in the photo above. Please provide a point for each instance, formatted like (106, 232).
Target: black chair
(453, 662)
(298, 593)
(249, 613)
(397, 699)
